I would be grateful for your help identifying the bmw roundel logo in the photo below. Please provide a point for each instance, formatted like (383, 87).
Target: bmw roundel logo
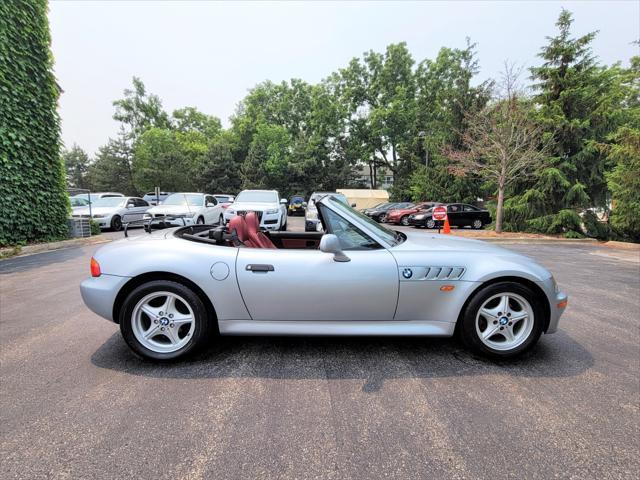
(407, 273)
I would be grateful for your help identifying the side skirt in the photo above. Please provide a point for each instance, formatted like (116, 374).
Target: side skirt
(328, 328)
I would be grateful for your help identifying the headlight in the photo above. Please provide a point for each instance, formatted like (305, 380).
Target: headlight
(99, 215)
(146, 216)
(312, 214)
(271, 212)
(418, 217)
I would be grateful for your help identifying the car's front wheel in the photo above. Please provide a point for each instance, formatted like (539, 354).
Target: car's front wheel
(404, 221)
(502, 320)
(382, 218)
(431, 223)
(164, 320)
(116, 223)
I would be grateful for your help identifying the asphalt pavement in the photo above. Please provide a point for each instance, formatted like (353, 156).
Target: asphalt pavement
(76, 403)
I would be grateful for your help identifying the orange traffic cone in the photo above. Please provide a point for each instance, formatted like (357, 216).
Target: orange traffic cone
(447, 227)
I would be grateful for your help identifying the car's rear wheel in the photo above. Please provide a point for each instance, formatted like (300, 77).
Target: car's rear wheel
(116, 223)
(502, 320)
(404, 220)
(431, 223)
(164, 320)
(477, 224)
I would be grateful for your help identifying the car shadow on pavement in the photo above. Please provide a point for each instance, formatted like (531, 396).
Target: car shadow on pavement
(371, 359)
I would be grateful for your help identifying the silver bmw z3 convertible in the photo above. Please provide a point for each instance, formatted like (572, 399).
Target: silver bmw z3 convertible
(173, 290)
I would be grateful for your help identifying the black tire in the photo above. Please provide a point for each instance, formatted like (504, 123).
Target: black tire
(221, 220)
(283, 228)
(200, 221)
(431, 223)
(477, 224)
(116, 223)
(404, 221)
(467, 328)
(203, 324)
(382, 218)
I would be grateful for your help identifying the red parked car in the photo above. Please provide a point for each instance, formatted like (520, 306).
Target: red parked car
(401, 215)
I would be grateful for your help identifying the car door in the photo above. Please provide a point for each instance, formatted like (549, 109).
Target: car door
(141, 207)
(212, 210)
(469, 214)
(454, 213)
(290, 284)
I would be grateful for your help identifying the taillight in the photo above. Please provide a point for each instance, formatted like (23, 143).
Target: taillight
(95, 268)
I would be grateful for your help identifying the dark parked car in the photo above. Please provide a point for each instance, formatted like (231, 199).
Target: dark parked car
(379, 213)
(459, 214)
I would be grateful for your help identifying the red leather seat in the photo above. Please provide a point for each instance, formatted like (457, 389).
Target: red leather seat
(239, 225)
(256, 237)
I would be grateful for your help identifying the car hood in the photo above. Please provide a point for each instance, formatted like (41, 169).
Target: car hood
(448, 244)
(171, 209)
(253, 206)
(94, 210)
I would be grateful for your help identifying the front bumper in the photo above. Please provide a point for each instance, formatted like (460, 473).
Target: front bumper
(99, 293)
(311, 225)
(557, 303)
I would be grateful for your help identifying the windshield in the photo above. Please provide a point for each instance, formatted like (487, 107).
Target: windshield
(79, 202)
(338, 196)
(390, 236)
(108, 202)
(297, 199)
(257, 197)
(223, 198)
(191, 199)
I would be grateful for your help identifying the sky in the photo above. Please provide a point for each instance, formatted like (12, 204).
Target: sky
(209, 54)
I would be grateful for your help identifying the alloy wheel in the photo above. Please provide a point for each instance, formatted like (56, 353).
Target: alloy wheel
(163, 322)
(404, 220)
(431, 223)
(504, 321)
(477, 224)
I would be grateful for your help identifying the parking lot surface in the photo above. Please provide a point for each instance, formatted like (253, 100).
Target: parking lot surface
(76, 403)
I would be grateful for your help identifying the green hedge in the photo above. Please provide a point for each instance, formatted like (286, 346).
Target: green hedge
(33, 200)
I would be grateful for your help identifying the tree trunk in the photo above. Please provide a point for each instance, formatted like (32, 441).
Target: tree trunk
(371, 175)
(499, 211)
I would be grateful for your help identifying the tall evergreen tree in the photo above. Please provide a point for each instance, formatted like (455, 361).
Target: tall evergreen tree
(577, 102)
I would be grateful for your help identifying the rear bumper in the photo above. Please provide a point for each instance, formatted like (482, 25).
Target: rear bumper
(99, 293)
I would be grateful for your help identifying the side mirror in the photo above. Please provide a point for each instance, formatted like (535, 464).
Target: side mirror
(210, 204)
(130, 205)
(329, 243)
(304, 204)
(283, 201)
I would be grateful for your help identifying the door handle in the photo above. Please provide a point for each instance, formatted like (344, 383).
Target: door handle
(259, 267)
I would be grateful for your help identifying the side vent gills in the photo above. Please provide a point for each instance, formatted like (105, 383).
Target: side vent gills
(413, 274)
(444, 273)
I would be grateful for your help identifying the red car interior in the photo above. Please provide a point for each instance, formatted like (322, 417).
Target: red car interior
(256, 237)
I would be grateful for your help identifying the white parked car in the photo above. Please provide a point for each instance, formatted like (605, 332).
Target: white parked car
(270, 208)
(190, 208)
(113, 212)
